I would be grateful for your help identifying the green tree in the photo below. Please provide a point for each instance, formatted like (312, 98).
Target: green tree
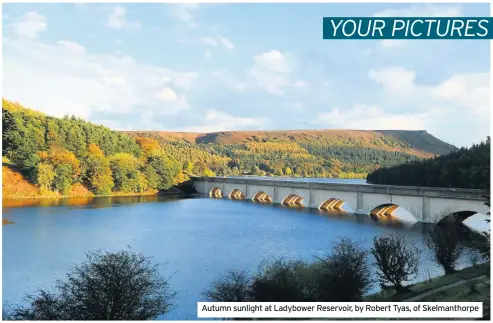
(126, 172)
(63, 178)
(166, 168)
(98, 171)
(151, 176)
(46, 175)
(66, 167)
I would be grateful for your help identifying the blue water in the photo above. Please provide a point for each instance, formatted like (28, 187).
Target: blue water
(193, 240)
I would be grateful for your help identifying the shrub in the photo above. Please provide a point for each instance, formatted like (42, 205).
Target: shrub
(396, 261)
(232, 287)
(344, 276)
(107, 286)
(445, 250)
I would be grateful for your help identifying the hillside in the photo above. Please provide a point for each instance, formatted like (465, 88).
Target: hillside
(50, 156)
(308, 153)
(464, 168)
(419, 143)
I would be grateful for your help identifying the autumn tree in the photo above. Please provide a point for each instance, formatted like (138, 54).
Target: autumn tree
(98, 171)
(66, 168)
(46, 175)
(126, 172)
(166, 168)
(149, 146)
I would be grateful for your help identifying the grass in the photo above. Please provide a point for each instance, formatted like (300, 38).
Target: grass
(428, 285)
(475, 291)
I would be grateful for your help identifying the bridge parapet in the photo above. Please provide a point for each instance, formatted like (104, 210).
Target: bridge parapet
(456, 193)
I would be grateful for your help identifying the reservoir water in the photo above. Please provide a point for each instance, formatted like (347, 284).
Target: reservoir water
(194, 240)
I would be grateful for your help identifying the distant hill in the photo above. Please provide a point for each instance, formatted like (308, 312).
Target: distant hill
(421, 140)
(308, 153)
(414, 142)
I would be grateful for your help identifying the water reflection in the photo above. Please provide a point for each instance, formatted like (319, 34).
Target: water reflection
(94, 202)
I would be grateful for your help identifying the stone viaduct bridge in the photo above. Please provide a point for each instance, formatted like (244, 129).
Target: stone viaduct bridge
(425, 204)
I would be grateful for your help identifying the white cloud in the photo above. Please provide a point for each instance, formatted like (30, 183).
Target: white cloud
(64, 78)
(423, 10)
(228, 44)
(461, 99)
(218, 41)
(185, 13)
(117, 19)
(215, 120)
(72, 46)
(394, 79)
(369, 117)
(467, 90)
(167, 94)
(29, 25)
(272, 70)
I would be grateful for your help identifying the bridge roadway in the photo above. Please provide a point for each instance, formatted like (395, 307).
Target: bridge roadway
(425, 204)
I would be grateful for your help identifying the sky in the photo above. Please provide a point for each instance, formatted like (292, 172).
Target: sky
(218, 67)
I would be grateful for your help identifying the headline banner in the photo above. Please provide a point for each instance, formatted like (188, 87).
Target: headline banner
(407, 28)
(340, 310)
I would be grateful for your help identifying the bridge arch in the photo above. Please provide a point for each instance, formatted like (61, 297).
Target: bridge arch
(262, 197)
(332, 204)
(392, 211)
(216, 192)
(236, 194)
(459, 214)
(456, 217)
(293, 200)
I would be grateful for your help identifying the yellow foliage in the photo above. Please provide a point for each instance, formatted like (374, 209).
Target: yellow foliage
(95, 150)
(148, 145)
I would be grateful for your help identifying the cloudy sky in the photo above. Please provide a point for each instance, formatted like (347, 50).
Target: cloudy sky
(213, 67)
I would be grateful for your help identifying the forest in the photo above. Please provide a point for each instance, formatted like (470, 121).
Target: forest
(69, 156)
(465, 168)
(57, 154)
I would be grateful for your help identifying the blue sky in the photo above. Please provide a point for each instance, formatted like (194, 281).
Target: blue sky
(215, 67)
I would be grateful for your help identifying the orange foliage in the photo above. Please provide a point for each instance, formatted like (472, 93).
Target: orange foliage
(58, 155)
(79, 190)
(148, 145)
(14, 185)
